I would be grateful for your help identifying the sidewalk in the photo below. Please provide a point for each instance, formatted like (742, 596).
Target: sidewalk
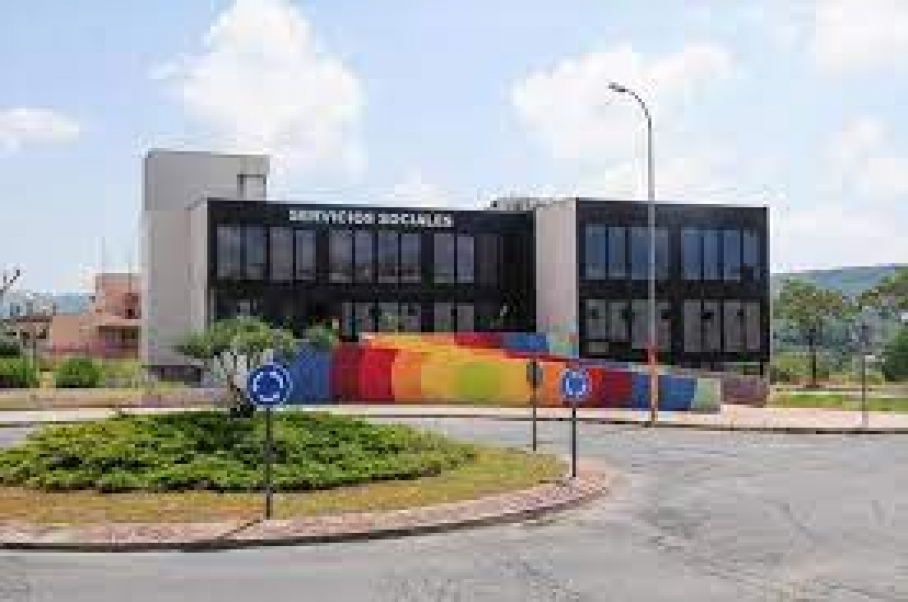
(731, 418)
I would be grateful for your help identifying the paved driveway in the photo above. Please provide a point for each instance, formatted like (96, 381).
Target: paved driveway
(694, 516)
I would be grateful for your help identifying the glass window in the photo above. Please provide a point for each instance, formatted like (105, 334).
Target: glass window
(281, 254)
(229, 252)
(663, 257)
(489, 316)
(639, 324)
(466, 259)
(445, 251)
(712, 329)
(255, 252)
(466, 319)
(305, 254)
(388, 317)
(732, 326)
(639, 253)
(617, 253)
(410, 261)
(388, 256)
(363, 256)
(619, 318)
(489, 258)
(664, 325)
(692, 254)
(751, 271)
(597, 319)
(410, 317)
(731, 255)
(596, 241)
(752, 330)
(364, 318)
(693, 326)
(710, 255)
(443, 317)
(340, 252)
(347, 326)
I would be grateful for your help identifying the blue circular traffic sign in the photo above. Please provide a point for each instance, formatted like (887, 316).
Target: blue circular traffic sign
(269, 385)
(574, 384)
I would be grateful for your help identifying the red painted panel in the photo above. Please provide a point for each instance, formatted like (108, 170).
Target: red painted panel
(344, 369)
(376, 374)
(616, 388)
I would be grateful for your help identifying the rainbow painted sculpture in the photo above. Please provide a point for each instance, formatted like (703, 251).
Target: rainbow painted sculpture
(478, 369)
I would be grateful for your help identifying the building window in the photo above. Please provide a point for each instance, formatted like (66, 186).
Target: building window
(597, 319)
(255, 253)
(617, 253)
(663, 256)
(347, 325)
(443, 317)
(229, 241)
(752, 331)
(490, 316)
(410, 260)
(639, 323)
(445, 251)
(388, 317)
(693, 326)
(466, 317)
(281, 254)
(731, 255)
(710, 255)
(364, 318)
(304, 250)
(692, 254)
(751, 270)
(410, 317)
(363, 241)
(489, 258)
(712, 327)
(388, 256)
(664, 325)
(596, 253)
(639, 253)
(732, 326)
(466, 259)
(340, 253)
(619, 320)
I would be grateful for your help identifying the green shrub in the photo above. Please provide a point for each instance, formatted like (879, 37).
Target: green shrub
(9, 347)
(122, 374)
(17, 373)
(211, 451)
(895, 357)
(77, 373)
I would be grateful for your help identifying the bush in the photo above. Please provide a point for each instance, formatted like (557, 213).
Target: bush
(123, 374)
(9, 347)
(211, 451)
(77, 373)
(17, 373)
(895, 357)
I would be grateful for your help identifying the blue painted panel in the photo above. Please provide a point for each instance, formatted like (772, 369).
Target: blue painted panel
(676, 392)
(311, 370)
(524, 341)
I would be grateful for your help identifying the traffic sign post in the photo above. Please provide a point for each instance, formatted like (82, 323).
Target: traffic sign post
(575, 386)
(269, 386)
(534, 378)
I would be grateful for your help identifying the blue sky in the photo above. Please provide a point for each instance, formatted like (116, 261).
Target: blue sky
(795, 105)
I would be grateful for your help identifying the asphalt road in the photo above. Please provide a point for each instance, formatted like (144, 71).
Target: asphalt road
(694, 516)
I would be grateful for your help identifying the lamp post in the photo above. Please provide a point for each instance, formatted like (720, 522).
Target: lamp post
(651, 197)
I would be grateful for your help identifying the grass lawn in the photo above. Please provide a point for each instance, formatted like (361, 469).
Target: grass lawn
(491, 471)
(838, 401)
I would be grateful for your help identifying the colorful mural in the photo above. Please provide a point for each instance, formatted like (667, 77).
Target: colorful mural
(478, 369)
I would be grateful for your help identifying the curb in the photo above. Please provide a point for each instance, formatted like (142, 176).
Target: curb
(592, 483)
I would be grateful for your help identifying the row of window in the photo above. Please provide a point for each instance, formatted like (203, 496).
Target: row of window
(621, 253)
(709, 326)
(355, 255)
(391, 316)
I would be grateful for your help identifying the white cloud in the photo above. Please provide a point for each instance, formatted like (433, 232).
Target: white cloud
(571, 110)
(22, 126)
(415, 190)
(855, 35)
(865, 164)
(263, 83)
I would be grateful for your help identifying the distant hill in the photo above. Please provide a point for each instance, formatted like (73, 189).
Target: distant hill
(851, 281)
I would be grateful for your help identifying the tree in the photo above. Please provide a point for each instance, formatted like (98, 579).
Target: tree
(231, 346)
(891, 293)
(895, 357)
(807, 308)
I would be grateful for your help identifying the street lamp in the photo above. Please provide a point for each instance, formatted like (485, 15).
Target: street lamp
(651, 197)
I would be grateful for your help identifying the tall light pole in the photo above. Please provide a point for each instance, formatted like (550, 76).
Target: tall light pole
(651, 197)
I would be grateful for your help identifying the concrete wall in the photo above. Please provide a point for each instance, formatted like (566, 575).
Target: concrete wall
(174, 182)
(556, 268)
